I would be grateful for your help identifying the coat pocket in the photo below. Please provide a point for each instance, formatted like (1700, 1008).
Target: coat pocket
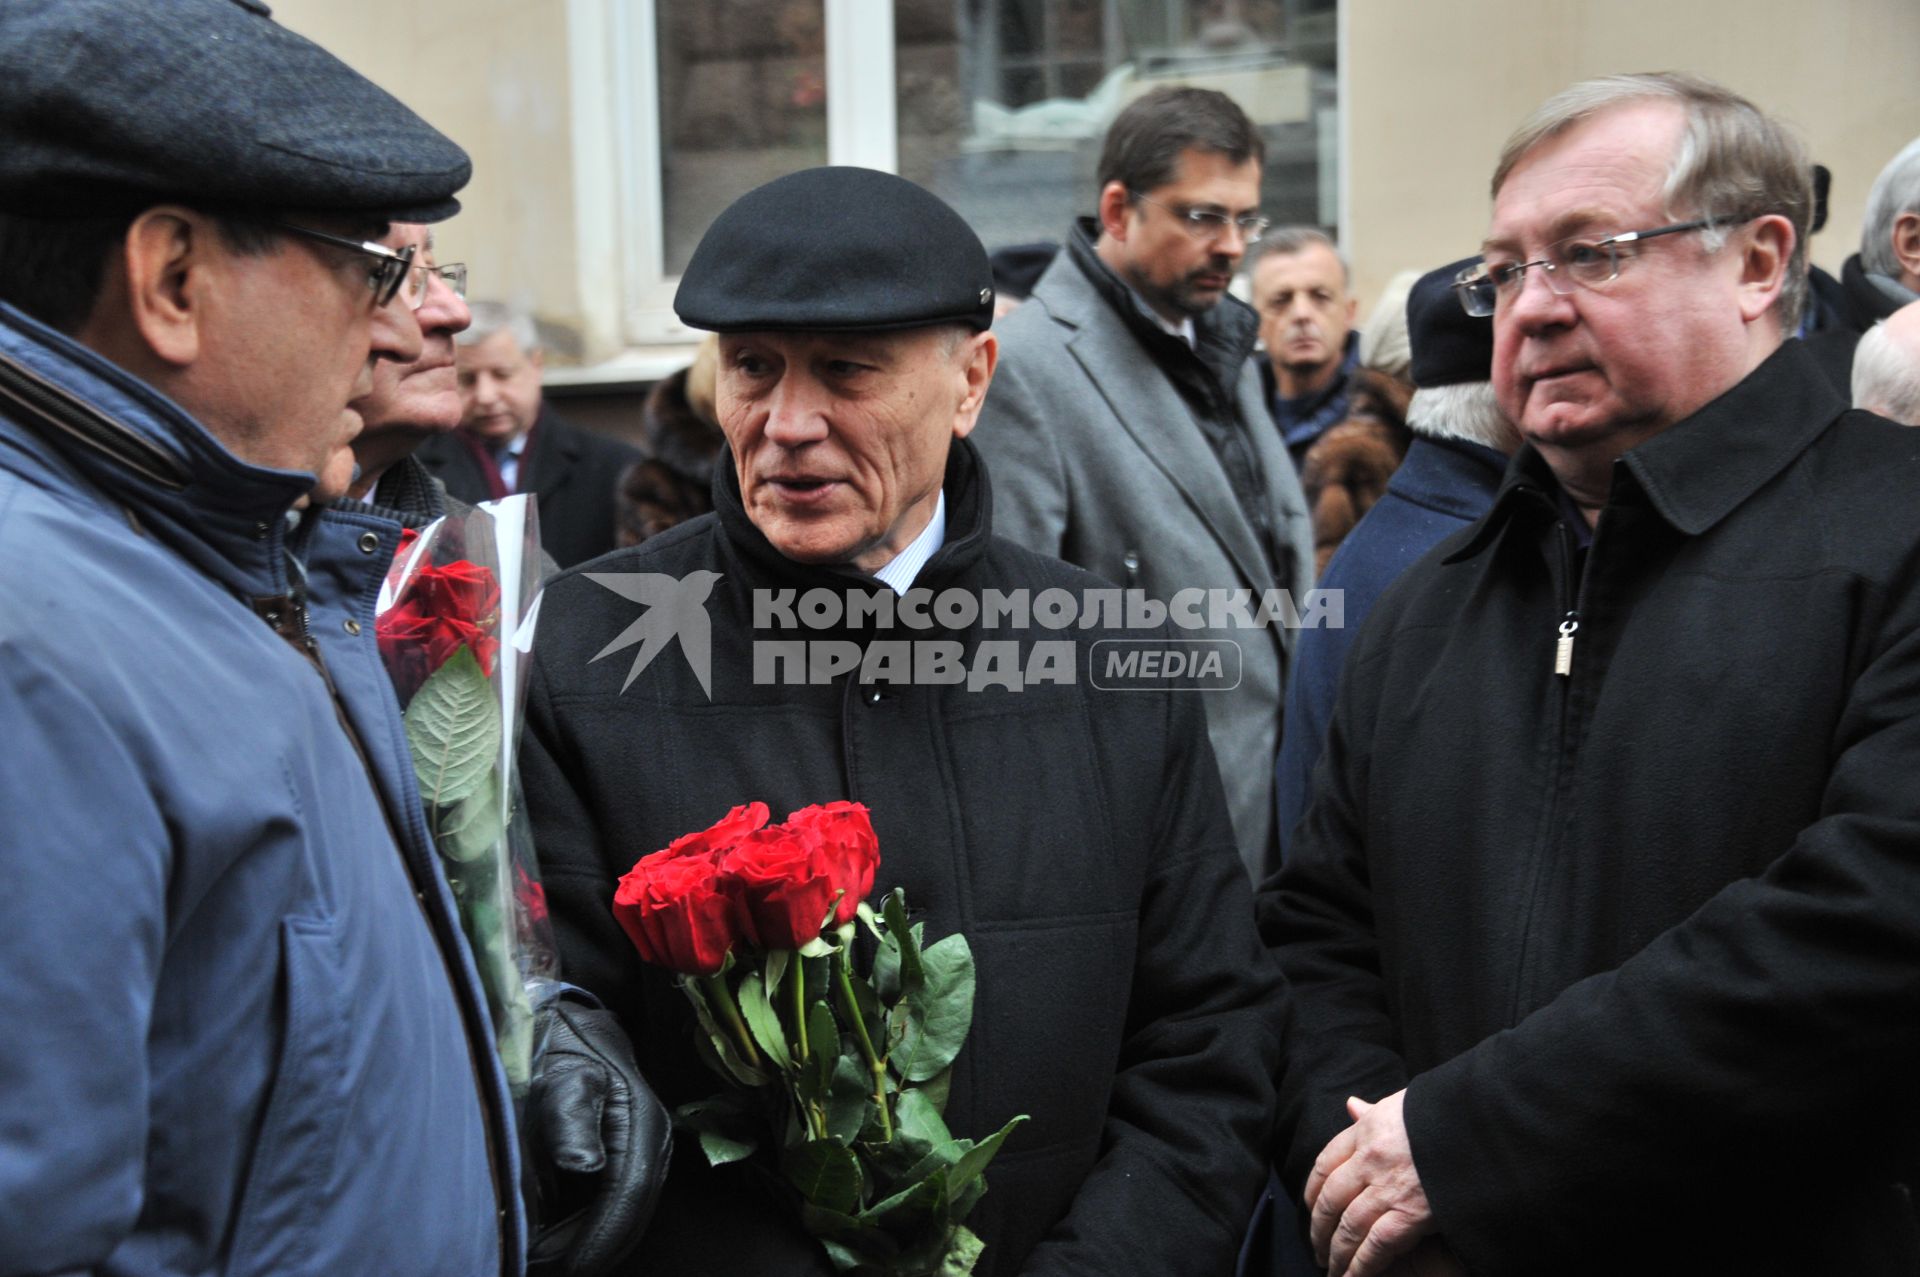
(292, 1175)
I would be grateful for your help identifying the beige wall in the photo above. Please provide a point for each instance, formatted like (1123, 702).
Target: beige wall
(493, 75)
(1433, 89)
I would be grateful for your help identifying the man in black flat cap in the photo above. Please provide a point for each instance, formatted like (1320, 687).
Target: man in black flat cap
(1078, 837)
(245, 1034)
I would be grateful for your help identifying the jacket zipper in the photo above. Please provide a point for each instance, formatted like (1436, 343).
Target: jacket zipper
(300, 636)
(1572, 599)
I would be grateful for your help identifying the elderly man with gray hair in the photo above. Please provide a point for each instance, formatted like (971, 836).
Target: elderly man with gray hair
(1600, 921)
(1885, 274)
(1886, 367)
(510, 440)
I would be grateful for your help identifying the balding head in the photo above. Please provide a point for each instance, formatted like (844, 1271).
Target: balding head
(1886, 367)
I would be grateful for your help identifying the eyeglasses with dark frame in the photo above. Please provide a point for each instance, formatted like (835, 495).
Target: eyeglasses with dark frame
(1579, 261)
(391, 267)
(1204, 223)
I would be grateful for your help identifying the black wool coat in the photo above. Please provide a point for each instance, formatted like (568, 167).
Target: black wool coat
(1079, 838)
(572, 473)
(1644, 938)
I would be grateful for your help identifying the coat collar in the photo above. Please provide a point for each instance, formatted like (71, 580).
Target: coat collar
(1451, 476)
(90, 419)
(1224, 335)
(969, 511)
(1697, 472)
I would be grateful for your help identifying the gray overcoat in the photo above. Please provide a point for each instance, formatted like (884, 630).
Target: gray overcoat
(1097, 459)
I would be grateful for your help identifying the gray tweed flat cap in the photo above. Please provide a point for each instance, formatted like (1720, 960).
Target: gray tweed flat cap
(111, 105)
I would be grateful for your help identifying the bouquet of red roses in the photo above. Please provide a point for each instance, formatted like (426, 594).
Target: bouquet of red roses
(454, 622)
(841, 1079)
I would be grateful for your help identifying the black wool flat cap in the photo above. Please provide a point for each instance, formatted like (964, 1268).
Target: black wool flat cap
(836, 249)
(1449, 346)
(115, 105)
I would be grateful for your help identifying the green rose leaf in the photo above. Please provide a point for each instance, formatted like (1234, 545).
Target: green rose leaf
(860, 1243)
(762, 1022)
(903, 937)
(469, 830)
(973, 1163)
(453, 731)
(963, 1252)
(937, 1088)
(825, 1173)
(848, 1100)
(715, 1048)
(912, 1208)
(917, 1126)
(723, 1128)
(823, 1039)
(938, 1013)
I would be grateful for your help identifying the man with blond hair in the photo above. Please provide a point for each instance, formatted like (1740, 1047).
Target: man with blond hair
(1630, 989)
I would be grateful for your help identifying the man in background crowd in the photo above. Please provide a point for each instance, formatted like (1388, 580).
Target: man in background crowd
(1886, 367)
(1302, 289)
(1125, 429)
(510, 440)
(597, 1134)
(1885, 274)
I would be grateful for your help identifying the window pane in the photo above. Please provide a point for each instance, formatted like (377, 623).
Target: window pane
(743, 100)
(1003, 103)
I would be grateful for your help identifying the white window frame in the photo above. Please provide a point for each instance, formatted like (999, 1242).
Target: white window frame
(618, 198)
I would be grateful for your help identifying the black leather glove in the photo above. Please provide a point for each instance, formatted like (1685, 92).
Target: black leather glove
(599, 1140)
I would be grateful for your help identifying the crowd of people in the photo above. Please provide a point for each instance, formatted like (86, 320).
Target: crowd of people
(1515, 873)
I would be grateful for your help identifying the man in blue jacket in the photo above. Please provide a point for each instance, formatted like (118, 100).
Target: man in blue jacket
(243, 1033)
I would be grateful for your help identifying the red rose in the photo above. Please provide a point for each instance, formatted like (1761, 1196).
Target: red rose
(723, 833)
(790, 874)
(444, 609)
(783, 887)
(848, 850)
(678, 911)
(678, 906)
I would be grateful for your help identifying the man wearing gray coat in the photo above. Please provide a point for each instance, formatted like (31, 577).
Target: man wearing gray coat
(1125, 431)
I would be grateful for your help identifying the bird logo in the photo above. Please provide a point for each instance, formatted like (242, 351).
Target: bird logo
(676, 606)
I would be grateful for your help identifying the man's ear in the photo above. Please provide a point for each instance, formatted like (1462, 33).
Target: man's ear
(1766, 254)
(1906, 248)
(976, 359)
(1115, 206)
(168, 252)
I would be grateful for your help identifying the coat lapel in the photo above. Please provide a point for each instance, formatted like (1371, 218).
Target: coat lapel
(550, 459)
(1151, 412)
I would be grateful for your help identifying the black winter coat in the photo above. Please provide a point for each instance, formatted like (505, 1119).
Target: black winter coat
(1645, 938)
(1079, 838)
(573, 474)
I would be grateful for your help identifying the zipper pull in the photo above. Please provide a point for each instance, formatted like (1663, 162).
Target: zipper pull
(1563, 647)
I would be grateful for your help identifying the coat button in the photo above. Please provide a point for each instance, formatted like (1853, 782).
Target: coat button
(875, 696)
(260, 531)
(351, 626)
(369, 543)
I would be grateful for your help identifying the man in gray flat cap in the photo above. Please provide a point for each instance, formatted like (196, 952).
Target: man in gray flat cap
(1078, 837)
(244, 1034)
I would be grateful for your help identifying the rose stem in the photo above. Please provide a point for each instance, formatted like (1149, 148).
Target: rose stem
(797, 976)
(730, 1012)
(874, 1062)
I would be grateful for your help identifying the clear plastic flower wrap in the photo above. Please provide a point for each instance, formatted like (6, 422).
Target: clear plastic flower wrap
(455, 624)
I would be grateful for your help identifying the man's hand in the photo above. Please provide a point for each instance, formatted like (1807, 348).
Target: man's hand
(590, 1114)
(1369, 1209)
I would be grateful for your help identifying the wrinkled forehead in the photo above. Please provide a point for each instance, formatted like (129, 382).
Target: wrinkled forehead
(1607, 172)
